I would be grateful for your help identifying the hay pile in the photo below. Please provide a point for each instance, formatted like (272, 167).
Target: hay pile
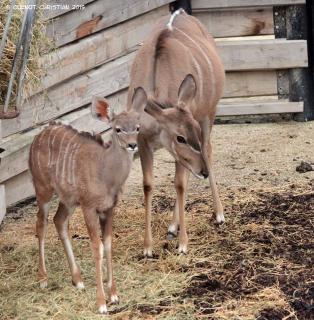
(259, 265)
(39, 45)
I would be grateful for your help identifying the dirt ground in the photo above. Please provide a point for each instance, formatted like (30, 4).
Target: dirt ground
(258, 265)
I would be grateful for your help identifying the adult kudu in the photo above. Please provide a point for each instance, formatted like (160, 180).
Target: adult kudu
(183, 77)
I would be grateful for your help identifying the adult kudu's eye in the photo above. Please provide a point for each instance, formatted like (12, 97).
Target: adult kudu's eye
(181, 139)
(137, 129)
(118, 130)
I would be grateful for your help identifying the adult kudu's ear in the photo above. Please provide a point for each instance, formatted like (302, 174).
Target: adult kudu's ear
(139, 100)
(100, 109)
(153, 109)
(187, 90)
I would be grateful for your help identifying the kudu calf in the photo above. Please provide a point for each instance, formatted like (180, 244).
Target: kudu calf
(83, 171)
(181, 72)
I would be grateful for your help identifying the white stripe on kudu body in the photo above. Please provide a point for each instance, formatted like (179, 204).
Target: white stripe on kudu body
(73, 165)
(60, 156)
(54, 157)
(66, 157)
(49, 143)
(199, 73)
(207, 59)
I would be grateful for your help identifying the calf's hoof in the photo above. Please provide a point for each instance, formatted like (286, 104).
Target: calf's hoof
(43, 284)
(148, 253)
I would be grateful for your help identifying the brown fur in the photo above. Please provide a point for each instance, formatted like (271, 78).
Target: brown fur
(180, 69)
(82, 170)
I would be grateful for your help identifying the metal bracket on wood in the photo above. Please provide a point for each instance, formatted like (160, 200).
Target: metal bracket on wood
(184, 4)
(280, 29)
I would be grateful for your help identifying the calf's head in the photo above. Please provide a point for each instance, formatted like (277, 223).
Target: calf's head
(181, 133)
(125, 125)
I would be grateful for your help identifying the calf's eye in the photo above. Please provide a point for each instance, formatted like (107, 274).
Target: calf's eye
(118, 130)
(181, 139)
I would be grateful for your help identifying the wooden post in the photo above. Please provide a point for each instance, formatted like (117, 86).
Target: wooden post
(2, 203)
(184, 4)
(301, 83)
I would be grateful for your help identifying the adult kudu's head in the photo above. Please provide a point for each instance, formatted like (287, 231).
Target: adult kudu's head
(125, 125)
(181, 133)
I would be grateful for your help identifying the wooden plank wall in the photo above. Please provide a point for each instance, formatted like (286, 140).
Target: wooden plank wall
(95, 50)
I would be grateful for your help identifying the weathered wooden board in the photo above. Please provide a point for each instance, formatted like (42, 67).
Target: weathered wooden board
(53, 8)
(238, 22)
(219, 4)
(14, 160)
(77, 92)
(251, 83)
(114, 76)
(18, 188)
(2, 202)
(97, 49)
(263, 54)
(233, 109)
(96, 16)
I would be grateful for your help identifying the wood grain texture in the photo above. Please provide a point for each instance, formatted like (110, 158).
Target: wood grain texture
(263, 54)
(14, 160)
(219, 4)
(114, 76)
(233, 109)
(238, 22)
(251, 83)
(2, 202)
(97, 49)
(96, 16)
(70, 95)
(18, 188)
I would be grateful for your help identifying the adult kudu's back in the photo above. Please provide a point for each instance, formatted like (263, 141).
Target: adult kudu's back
(181, 72)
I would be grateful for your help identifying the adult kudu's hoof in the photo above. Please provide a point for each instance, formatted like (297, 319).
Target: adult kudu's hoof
(220, 218)
(114, 299)
(148, 253)
(182, 249)
(171, 235)
(103, 309)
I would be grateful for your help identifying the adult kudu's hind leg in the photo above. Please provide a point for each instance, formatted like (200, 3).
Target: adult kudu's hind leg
(146, 155)
(207, 150)
(61, 221)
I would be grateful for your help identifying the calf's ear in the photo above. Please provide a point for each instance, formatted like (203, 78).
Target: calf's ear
(139, 100)
(100, 109)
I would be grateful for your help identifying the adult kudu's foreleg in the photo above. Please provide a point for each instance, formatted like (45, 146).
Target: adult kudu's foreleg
(146, 156)
(181, 181)
(207, 150)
